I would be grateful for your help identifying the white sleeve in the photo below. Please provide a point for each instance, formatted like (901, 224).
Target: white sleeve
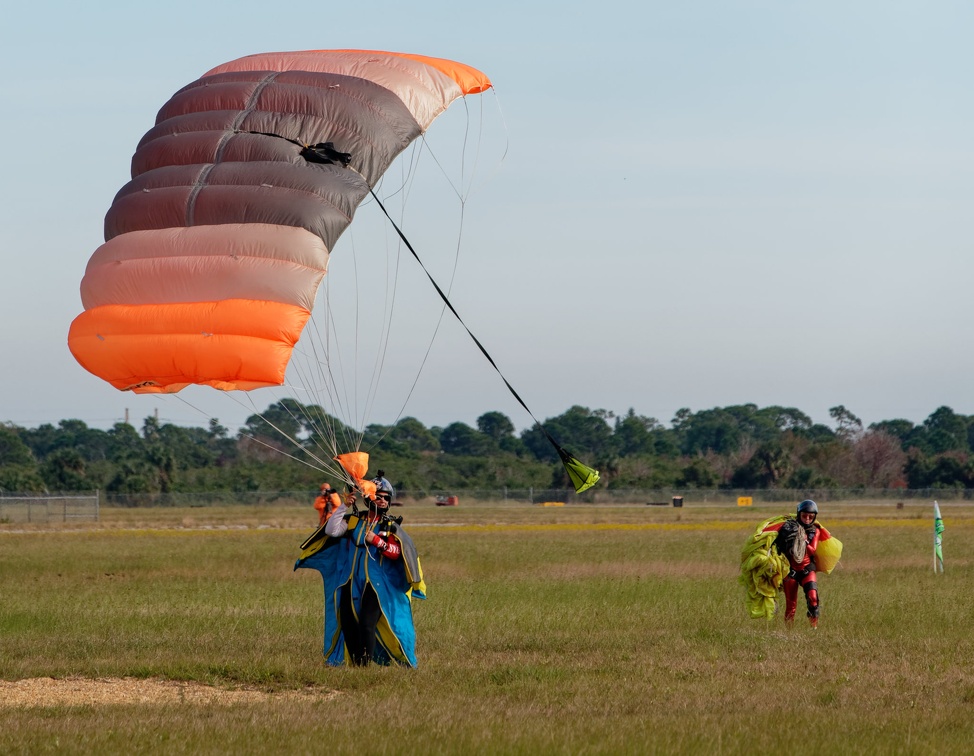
(337, 525)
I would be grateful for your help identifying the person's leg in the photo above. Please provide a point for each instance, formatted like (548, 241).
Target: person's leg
(810, 586)
(368, 621)
(791, 598)
(352, 629)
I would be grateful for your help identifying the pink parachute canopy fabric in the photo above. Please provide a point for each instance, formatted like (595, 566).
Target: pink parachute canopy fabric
(215, 249)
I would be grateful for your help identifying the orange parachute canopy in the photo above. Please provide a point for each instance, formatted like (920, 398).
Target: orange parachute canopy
(356, 464)
(215, 249)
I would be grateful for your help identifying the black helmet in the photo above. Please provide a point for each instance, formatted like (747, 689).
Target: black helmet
(808, 506)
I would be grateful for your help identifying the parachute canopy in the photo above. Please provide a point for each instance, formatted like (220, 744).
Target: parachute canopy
(356, 465)
(215, 249)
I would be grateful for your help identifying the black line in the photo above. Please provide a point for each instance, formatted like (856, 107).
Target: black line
(561, 452)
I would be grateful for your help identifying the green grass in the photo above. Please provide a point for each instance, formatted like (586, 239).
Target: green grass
(542, 634)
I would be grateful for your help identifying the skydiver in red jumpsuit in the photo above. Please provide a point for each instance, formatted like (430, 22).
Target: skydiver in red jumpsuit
(801, 561)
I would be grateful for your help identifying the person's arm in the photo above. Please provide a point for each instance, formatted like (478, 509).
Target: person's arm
(813, 531)
(337, 525)
(386, 543)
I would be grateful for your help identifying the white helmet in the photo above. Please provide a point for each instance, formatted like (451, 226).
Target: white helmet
(384, 486)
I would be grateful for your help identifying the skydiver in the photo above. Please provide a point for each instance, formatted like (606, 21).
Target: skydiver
(798, 539)
(377, 586)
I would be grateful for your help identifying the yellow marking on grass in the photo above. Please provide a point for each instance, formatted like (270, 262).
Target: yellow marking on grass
(569, 526)
(831, 525)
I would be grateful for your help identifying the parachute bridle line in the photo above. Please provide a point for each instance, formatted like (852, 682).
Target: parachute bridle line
(456, 257)
(404, 188)
(462, 192)
(566, 458)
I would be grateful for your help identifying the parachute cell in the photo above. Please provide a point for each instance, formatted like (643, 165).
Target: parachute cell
(215, 249)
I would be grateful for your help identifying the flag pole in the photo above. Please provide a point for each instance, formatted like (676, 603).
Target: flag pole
(938, 530)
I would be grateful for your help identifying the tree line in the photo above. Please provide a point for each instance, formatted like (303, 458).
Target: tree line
(741, 446)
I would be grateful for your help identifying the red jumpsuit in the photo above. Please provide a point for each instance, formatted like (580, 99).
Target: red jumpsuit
(802, 574)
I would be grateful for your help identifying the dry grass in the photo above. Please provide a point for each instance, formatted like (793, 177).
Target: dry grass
(191, 634)
(46, 692)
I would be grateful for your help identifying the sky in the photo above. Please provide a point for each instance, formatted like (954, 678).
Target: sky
(693, 204)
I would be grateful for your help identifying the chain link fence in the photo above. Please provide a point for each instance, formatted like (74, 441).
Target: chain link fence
(538, 496)
(26, 508)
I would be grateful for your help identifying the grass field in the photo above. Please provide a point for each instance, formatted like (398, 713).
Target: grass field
(567, 630)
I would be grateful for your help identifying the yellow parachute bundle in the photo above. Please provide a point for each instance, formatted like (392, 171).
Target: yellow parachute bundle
(828, 553)
(763, 570)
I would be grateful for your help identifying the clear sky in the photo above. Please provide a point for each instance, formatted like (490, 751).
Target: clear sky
(702, 203)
